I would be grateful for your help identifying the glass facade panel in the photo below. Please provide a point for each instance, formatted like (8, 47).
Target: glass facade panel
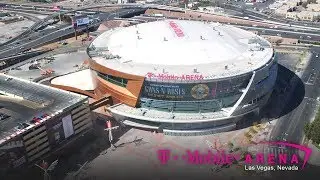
(189, 106)
(194, 91)
(114, 80)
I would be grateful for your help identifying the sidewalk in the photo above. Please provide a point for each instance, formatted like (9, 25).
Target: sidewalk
(315, 155)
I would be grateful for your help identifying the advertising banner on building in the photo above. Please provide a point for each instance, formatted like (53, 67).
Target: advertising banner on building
(175, 92)
(67, 126)
(82, 21)
(56, 134)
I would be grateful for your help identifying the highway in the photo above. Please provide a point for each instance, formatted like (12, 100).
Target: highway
(286, 33)
(40, 38)
(282, 31)
(292, 123)
(49, 35)
(31, 37)
(290, 126)
(42, 9)
(257, 15)
(42, 22)
(26, 15)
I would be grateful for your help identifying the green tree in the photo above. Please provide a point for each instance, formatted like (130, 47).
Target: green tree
(278, 42)
(312, 130)
(315, 131)
(304, 4)
(306, 130)
(230, 145)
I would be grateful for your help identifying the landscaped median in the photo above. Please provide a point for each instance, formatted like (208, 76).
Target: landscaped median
(312, 130)
(312, 140)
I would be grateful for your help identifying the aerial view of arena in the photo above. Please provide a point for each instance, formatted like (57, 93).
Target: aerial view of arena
(190, 77)
(125, 89)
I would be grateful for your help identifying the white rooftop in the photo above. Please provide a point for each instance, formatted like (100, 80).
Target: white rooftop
(177, 47)
(81, 80)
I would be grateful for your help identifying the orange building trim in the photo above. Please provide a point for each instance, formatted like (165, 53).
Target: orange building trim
(76, 90)
(128, 95)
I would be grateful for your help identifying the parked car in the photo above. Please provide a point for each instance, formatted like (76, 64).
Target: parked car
(9, 79)
(3, 116)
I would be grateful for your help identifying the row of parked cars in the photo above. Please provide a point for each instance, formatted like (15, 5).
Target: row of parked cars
(37, 119)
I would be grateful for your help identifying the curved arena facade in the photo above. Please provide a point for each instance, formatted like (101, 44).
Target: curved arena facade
(183, 77)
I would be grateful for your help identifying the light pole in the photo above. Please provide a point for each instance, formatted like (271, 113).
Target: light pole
(59, 16)
(76, 174)
(109, 128)
(46, 169)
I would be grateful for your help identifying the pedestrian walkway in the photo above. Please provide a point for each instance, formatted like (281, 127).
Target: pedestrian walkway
(315, 155)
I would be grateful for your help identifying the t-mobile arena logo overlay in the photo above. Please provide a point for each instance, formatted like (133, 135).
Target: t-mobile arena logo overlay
(260, 161)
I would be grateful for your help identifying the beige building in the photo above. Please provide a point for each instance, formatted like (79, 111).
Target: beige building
(314, 7)
(282, 11)
(292, 15)
(303, 15)
(279, 40)
(310, 13)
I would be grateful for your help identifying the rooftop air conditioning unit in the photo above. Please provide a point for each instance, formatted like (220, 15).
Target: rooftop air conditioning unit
(164, 71)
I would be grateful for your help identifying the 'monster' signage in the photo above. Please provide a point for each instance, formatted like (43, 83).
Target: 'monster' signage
(176, 29)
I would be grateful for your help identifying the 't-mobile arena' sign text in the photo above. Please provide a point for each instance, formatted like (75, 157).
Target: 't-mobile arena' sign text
(188, 77)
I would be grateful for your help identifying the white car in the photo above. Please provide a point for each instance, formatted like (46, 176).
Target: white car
(317, 55)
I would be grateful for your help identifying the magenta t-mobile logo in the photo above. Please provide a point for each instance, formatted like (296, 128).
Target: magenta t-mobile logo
(164, 155)
(307, 151)
(221, 157)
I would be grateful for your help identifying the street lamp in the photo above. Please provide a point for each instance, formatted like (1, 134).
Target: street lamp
(76, 174)
(46, 169)
(109, 128)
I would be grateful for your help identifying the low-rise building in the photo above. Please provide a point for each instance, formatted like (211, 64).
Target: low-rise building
(212, 9)
(296, 11)
(282, 11)
(314, 7)
(280, 40)
(303, 16)
(292, 15)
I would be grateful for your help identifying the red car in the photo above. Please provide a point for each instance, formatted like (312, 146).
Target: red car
(44, 116)
(36, 120)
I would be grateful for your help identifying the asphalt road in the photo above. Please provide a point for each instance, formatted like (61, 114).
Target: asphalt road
(286, 33)
(290, 126)
(52, 34)
(293, 122)
(31, 37)
(251, 13)
(289, 32)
